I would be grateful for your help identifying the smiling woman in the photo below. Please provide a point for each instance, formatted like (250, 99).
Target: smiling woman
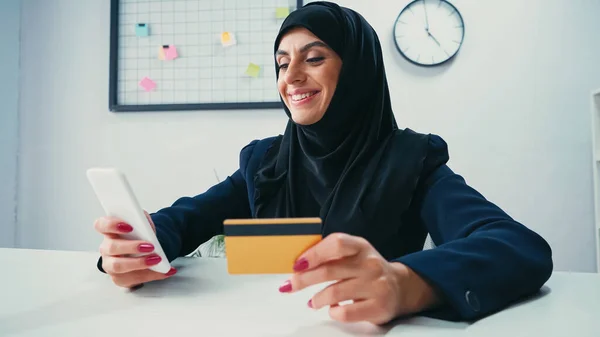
(308, 75)
(379, 190)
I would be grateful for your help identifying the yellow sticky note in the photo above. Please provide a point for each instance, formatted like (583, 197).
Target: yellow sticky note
(282, 12)
(227, 39)
(161, 53)
(253, 70)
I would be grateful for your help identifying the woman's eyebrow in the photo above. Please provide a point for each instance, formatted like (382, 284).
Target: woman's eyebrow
(305, 48)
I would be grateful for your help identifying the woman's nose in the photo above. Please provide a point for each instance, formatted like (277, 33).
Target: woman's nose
(294, 74)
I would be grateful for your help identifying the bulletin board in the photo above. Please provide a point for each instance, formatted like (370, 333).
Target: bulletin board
(169, 55)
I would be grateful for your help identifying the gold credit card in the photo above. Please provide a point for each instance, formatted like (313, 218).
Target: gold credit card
(268, 246)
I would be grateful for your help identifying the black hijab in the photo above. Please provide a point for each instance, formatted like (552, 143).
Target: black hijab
(338, 168)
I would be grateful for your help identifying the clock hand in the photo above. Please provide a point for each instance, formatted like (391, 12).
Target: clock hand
(434, 39)
(426, 19)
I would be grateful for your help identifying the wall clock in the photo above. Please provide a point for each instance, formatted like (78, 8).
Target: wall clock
(429, 32)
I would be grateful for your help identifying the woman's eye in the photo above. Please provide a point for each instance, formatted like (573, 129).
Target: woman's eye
(310, 60)
(315, 59)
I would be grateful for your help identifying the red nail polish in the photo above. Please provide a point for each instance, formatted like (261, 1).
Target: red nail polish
(125, 228)
(301, 265)
(152, 260)
(146, 248)
(286, 287)
(310, 303)
(171, 272)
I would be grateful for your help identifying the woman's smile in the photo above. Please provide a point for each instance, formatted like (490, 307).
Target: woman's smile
(303, 97)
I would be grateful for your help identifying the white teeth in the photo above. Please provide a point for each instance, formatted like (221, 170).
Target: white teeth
(302, 96)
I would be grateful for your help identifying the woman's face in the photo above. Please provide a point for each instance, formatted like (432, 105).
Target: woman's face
(308, 75)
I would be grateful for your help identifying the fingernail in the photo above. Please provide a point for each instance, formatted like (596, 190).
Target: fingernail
(125, 228)
(301, 264)
(286, 287)
(152, 260)
(146, 248)
(310, 303)
(171, 272)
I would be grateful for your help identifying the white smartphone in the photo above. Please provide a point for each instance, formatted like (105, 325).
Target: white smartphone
(117, 199)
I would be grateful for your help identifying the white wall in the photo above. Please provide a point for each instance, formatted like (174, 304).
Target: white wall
(10, 11)
(67, 128)
(513, 107)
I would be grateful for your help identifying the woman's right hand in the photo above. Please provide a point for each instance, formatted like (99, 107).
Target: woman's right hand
(125, 271)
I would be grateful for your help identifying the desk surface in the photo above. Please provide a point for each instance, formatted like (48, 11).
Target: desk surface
(55, 293)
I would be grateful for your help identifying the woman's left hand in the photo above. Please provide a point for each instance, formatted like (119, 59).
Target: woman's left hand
(379, 290)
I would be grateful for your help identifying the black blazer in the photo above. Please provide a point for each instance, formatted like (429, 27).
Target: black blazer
(484, 260)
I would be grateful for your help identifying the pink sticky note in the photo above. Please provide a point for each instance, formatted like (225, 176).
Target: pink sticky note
(171, 53)
(147, 84)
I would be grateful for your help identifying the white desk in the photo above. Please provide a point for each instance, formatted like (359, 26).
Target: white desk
(49, 293)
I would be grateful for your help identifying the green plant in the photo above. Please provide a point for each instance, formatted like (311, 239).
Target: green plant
(215, 247)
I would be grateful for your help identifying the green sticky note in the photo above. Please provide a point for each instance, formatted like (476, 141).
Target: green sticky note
(282, 12)
(253, 70)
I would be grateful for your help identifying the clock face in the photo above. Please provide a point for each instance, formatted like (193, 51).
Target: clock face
(429, 32)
